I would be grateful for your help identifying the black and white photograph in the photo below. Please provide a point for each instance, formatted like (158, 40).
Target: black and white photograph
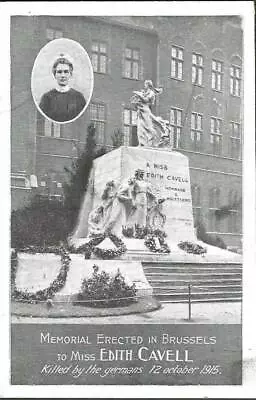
(131, 168)
(61, 67)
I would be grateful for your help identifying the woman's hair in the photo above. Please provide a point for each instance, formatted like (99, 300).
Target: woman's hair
(150, 84)
(62, 60)
(108, 186)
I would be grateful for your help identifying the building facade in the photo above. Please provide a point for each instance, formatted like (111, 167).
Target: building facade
(197, 61)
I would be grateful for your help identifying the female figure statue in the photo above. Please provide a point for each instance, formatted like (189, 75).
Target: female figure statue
(120, 209)
(95, 221)
(99, 215)
(142, 194)
(111, 214)
(152, 131)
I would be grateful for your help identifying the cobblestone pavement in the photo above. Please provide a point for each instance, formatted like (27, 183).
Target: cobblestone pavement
(169, 313)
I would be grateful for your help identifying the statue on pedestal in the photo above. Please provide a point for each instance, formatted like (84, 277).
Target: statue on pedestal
(143, 195)
(152, 131)
(133, 202)
(111, 214)
(98, 216)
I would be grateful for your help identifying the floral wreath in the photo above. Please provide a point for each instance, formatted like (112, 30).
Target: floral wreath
(44, 294)
(193, 248)
(151, 244)
(107, 254)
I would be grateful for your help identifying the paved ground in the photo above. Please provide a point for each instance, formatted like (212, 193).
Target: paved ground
(201, 313)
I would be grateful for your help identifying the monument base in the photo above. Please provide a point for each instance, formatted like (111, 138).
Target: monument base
(164, 180)
(81, 269)
(37, 271)
(137, 251)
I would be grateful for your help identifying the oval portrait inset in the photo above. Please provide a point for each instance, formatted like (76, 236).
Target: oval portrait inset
(62, 80)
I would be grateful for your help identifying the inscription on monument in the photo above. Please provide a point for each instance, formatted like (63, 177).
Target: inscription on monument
(168, 174)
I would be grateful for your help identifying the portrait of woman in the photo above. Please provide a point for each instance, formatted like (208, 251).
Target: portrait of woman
(62, 80)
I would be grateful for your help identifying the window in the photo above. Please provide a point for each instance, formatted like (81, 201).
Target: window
(129, 120)
(217, 75)
(51, 186)
(233, 199)
(52, 129)
(99, 57)
(177, 63)
(235, 81)
(131, 63)
(48, 128)
(197, 69)
(233, 222)
(176, 125)
(214, 203)
(196, 130)
(234, 213)
(98, 117)
(214, 198)
(196, 202)
(216, 136)
(235, 140)
(53, 34)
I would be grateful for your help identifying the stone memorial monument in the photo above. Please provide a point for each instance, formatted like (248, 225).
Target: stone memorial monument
(134, 190)
(137, 210)
(138, 185)
(148, 185)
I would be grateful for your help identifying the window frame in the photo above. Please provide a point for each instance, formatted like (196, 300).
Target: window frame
(232, 220)
(99, 54)
(51, 186)
(197, 144)
(216, 73)
(233, 78)
(127, 136)
(132, 62)
(235, 139)
(178, 62)
(176, 129)
(196, 202)
(54, 31)
(47, 128)
(99, 122)
(215, 134)
(214, 205)
(197, 67)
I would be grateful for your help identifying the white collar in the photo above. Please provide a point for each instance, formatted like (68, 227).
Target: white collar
(63, 89)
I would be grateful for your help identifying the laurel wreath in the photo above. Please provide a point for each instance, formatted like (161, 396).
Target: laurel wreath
(192, 248)
(151, 244)
(44, 294)
(106, 254)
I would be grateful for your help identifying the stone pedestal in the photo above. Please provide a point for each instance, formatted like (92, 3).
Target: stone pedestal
(167, 172)
(80, 269)
(37, 271)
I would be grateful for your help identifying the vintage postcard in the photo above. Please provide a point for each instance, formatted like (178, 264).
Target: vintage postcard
(131, 254)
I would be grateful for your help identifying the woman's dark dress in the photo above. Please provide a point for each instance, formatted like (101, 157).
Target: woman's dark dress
(62, 106)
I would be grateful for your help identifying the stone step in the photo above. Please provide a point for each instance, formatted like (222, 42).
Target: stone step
(198, 295)
(200, 289)
(209, 281)
(180, 265)
(194, 269)
(216, 300)
(182, 282)
(188, 276)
